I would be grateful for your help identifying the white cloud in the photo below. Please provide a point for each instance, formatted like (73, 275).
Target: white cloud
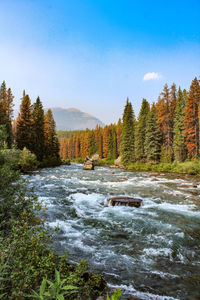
(152, 76)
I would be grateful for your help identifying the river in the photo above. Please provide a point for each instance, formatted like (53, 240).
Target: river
(152, 252)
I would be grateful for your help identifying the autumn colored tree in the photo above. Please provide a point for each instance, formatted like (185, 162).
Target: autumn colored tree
(191, 120)
(119, 132)
(152, 144)
(141, 131)
(38, 129)
(63, 149)
(6, 111)
(106, 132)
(24, 126)
(128, 135)
(179, 145)
(165, 109)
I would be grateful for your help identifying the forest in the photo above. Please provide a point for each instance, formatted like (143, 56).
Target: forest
(165, 132)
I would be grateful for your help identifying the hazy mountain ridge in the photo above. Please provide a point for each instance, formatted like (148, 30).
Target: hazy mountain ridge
(74, 119)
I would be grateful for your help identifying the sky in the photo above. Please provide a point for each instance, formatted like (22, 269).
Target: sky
(93, 54)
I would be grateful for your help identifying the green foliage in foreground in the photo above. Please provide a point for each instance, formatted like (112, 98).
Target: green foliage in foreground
(26, 258)
(116, 295)
(187, 167)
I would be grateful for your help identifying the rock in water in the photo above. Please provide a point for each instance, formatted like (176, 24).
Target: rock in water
(125, 201)
(95, 158)
(89, 162)
(88, 165)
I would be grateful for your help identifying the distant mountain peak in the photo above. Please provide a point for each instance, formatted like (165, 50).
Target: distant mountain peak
(74, 119)
(72, 109)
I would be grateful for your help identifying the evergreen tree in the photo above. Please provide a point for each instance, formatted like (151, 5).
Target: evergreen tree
(106, 132)
(38, 128)
(191, 120)
(152, 143)
(165, 111)
(6, 111)
(119, 132)
(179, 138)
(50, 137)
(99, 140)
(128, 135)
(92, 147)
(24, 126)
(112, 143)
(141, 131)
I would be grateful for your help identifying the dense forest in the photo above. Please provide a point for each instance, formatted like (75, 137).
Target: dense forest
(31, 138)
(165, 131)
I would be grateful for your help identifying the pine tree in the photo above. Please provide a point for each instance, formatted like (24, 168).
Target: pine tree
(179, 138)
(24, 126)
(112, 143)
(165, 111)
(191, 120)
(38, 128)
(106, 132)
(141, 131)
(92, 147)
(50, 137)
(119, 132)
(6, 111)
(128, 135)
(152, 143)
(99, 140)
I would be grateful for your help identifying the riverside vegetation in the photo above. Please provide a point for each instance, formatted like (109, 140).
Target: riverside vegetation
(165, 137)
(29, 267)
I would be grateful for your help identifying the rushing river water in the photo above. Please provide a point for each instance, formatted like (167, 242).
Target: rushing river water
(152, 252)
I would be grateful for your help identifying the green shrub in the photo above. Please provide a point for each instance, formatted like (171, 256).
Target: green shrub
(27, 161)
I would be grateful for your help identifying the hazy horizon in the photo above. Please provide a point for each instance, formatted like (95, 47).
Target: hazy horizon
(93, 55)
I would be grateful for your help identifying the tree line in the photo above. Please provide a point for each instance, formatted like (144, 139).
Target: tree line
(165, 131)
(33, 129)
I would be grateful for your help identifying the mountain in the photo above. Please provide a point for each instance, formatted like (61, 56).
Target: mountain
(74, 119)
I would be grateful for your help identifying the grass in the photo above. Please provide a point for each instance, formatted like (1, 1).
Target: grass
(187, 167)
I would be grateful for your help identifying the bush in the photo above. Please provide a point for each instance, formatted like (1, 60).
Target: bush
(27, 161)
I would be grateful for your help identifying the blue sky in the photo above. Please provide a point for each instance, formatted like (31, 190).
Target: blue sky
(92, 54)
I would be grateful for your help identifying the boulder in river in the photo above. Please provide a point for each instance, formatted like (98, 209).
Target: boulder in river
(117, 163)
(90, 162)
(88, 165)
(124, 201)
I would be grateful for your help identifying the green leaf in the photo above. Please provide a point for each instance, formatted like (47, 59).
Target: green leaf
(57, 276)
(43, 286)
(70, 287)
(60, 297)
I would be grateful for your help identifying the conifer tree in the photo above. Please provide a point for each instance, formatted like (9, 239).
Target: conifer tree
(106, 132)
(119, 132)
(191, 120)
(179, 138)
(24, 126)
(112, 143)
(50, 137)
(141, 131)
(128, 135)
(6, 111)
(165, 111)
(152, 143)
(38, 128)
(99, 141)
(92, 147)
